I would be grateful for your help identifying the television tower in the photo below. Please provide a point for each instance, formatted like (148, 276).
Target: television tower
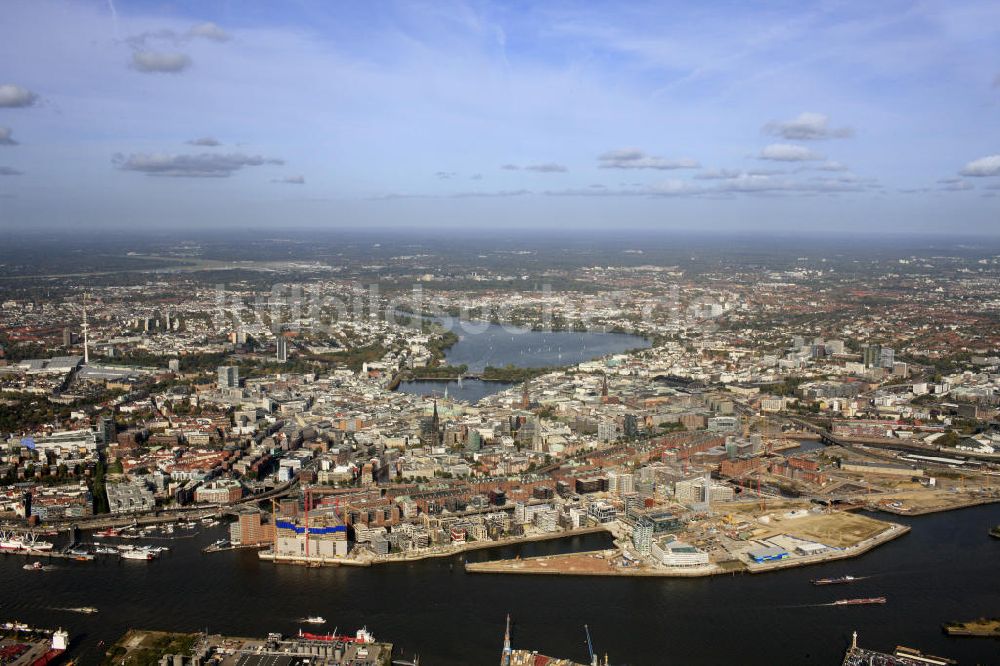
(86, 328)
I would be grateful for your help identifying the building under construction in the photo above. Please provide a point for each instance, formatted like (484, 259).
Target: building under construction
(314, 535)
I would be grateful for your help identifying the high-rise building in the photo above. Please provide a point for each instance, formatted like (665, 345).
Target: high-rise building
(631, 426)
(229, 377)
(887, 356)
(282, 349)
(872, 355)
(607, 430)
(626, 483)
(642, 535)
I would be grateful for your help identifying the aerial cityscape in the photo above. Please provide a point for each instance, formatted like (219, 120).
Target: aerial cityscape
(331, 334)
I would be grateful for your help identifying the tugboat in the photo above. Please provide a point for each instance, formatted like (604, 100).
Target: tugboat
(837, 581)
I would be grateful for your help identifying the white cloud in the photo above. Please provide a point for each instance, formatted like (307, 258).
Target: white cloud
(633, 158)
(291, 180)
(208, 141)
(954, 185)
(499, 194)
(984, 166)
(831, 166)
(6, 138)
(547, 167)
(209, 30)
(718, 174)
(751, 184)
(544, 167)
(807, 127)
(674, 187)
(740, 184)
(786, 152)
(205, 165)
(12, 96)
(155, 62)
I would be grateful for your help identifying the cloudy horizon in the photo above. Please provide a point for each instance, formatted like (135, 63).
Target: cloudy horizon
(712, 116)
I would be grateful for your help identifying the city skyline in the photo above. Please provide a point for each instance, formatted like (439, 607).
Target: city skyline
(788, 117)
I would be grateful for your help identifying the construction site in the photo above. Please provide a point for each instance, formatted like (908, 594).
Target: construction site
(741, 537)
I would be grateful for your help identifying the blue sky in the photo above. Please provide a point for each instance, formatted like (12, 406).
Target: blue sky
(705, 115)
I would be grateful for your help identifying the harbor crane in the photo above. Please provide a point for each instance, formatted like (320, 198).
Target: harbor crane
(594, 661)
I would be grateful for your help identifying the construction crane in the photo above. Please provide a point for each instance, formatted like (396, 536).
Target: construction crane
(590, 647)
(505, 655)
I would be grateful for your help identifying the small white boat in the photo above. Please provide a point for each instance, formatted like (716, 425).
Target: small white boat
(315, 619)
(88, 610)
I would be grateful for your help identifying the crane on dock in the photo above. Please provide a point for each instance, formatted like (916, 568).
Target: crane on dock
(590, 648)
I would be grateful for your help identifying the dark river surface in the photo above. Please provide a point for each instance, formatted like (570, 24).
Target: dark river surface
(947, 568)
(481, 344)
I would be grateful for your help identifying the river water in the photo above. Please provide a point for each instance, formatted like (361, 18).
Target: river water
(947, 568)
(481, 344)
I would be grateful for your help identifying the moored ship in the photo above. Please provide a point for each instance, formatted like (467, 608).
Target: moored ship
(10, 541)
(31, 543)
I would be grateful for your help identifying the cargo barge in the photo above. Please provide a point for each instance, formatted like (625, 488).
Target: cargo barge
(859, 602)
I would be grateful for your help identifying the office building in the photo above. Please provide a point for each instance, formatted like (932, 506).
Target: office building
(229, 377)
